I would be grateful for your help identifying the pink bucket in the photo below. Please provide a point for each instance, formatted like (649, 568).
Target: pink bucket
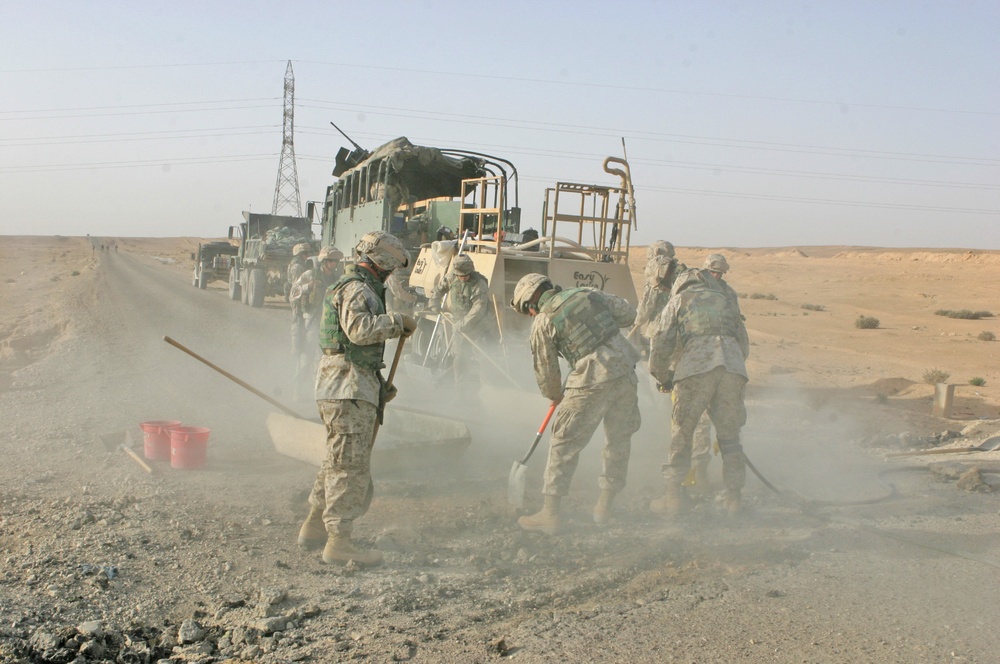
(156, 440)
(188, 447)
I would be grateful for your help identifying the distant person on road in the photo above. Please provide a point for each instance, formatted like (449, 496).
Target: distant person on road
(582, 326)
(351, 394)
(699, 353)
(306, 298)
(298, 265)
(464, 295)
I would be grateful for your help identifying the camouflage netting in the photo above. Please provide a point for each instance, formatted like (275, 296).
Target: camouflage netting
(284, 238)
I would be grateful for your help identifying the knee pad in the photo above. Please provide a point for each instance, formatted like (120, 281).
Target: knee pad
(730, 446)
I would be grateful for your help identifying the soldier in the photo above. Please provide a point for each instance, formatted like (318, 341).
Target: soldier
(399, 297)
(351, 395)
(661, 273)
(581, 325)
(306, 298)
(298, 265)
(704, 325)
(468, 304)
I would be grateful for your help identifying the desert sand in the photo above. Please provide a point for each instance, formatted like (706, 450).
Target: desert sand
(105, 561)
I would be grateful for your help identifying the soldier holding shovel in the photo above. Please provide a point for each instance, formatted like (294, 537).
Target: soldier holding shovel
(351, 395)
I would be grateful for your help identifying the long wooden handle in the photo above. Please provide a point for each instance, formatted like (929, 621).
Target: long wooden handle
(950, 450)
(388, 381)
(233, 378)
(138, 460)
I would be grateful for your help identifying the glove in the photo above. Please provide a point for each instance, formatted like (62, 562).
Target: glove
(409, 325)
(666, 387)
(390, 393)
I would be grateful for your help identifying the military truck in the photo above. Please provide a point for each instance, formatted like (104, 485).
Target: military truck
(265, 249)
(212, 262)
(427, 195)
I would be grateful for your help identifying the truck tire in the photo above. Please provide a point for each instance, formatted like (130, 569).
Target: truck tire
(245, 286)
(194, 277)
(201, 280)
(234, 285)
(258, 287)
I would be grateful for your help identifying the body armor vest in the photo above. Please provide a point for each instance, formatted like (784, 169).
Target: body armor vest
(707, 313)
(332, 335)
(582, 321)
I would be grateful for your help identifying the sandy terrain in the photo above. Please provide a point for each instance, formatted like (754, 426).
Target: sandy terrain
(893, 561)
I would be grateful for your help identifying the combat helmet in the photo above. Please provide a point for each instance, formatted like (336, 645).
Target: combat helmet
(462, 265)
(330, 254)
(525, 290)
(383, 249)
(660, 248)
(301, 248)
(716, 263)
(659, 269)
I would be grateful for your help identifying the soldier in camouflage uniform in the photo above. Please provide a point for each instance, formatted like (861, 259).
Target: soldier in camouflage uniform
(306, 298)
(582, 326)
(702, 323)
(298, 265)
(661, 274)
(351, 395)
(464, 294)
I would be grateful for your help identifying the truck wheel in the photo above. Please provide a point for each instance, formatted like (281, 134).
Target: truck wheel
(234, 285)
(258, 286)
(201, 281)
(194, 278)
(245, 286)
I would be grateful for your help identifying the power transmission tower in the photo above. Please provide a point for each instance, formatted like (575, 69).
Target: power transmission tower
(286, 189)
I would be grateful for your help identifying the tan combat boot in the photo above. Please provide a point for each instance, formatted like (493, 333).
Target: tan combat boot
(546, 521)
(312, 534)
(672, 503)
(602, 511)
(341, 549)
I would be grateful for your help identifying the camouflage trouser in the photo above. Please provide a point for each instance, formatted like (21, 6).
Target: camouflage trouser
(581, 410)
(720, 393)
(343, 488)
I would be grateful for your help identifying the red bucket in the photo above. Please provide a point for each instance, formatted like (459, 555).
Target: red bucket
(188, 447)
(156, 440)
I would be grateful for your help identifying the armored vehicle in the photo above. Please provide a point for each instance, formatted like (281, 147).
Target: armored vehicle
(265, 249)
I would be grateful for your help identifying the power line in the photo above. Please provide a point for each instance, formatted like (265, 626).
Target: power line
(634, 88)
(119, 106)
(136, 136)
(179, 161)
(115, 67)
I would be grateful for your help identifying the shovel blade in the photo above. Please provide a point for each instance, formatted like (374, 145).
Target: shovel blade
(516, 484)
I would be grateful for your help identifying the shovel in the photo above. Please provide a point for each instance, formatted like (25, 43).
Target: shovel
(122, 440)
(519, 471)
(986, 446)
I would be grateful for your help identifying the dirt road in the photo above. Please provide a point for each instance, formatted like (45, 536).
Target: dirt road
(103, 562)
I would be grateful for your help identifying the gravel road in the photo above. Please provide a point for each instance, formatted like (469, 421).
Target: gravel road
(103, 562)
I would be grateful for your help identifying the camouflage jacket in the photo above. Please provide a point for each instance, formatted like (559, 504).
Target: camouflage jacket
(468, 301)
(614, 359)
(306, 295)
(339, 379)
(699, 354)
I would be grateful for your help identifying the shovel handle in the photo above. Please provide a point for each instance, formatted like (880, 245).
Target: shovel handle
(950, 450)
(138, 459)
(541, 431)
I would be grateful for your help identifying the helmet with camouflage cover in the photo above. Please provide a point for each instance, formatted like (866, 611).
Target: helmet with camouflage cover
(525, 290)
(716, 263)
(300, 249)
(330, 254)
(686, 279)
(462, 265)
(660, 248)
(383, 249)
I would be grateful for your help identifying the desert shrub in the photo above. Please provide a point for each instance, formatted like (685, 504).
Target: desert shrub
(933, 376)
(966, 314)
(742, 296)
(881, 398)
(814, 307)
(978, 381)
(770, 296)
(866, 323)
(986, 335)
(762, 296)
(74, 273)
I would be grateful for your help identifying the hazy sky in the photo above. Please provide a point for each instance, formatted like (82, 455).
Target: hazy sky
(747, 123)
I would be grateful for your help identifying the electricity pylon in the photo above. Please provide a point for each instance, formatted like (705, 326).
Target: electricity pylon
(286, 189)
